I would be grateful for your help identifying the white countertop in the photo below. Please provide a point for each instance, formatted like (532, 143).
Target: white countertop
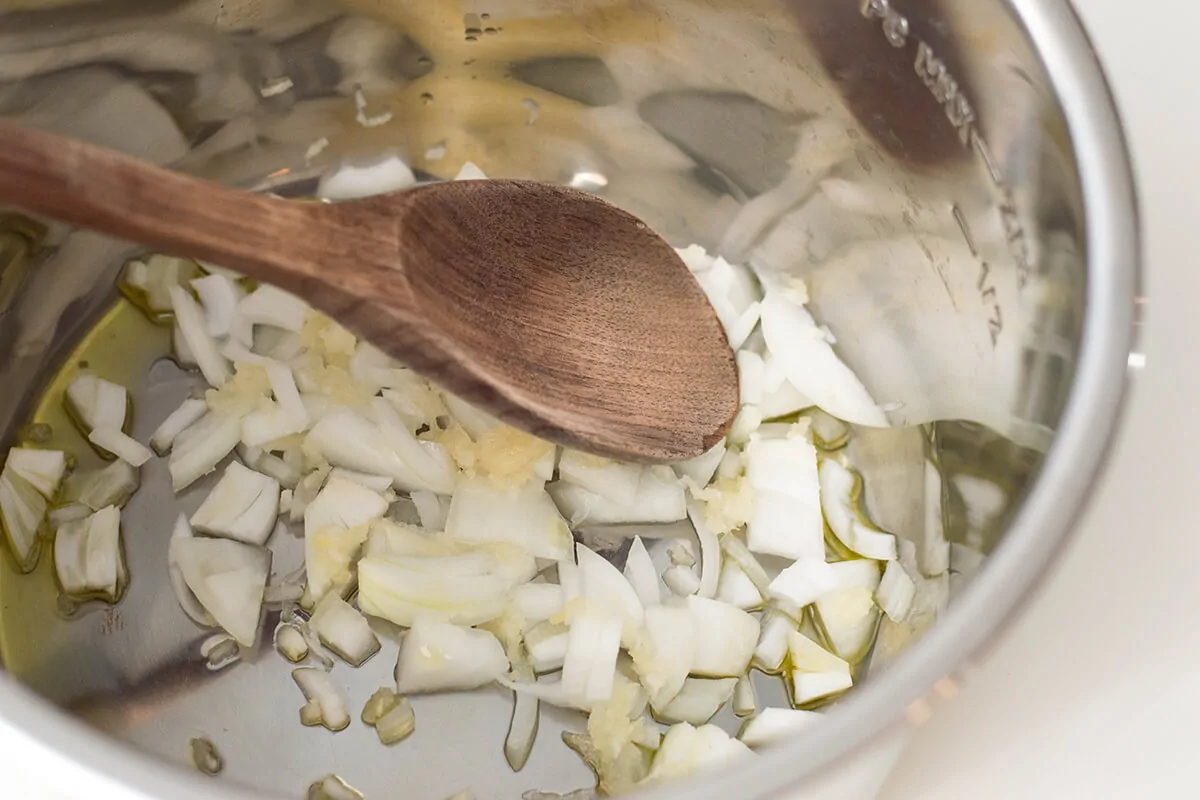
(1092, 693)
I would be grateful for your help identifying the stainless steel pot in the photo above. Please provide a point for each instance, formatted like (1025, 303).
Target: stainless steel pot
(948, 177)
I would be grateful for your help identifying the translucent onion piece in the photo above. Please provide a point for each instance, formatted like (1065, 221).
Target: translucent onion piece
(776, 724)
(431, 508)
(204, 756)
(736, 589)
(290, 643)
(805, 582)
(93, 402)
(702, 468)
(829, 432)
(590, 663)
(242, 506)
(606, 588)
(772, 646)
(121, 445)
(840, 489)
(698, 701)
(547, 646)
(436, 657)
(380, 703)
(682, 581)
(737, 553)
(816, 673)
(111, 485)
(610, 479)
(319, 689)
(219, 651)
(343, 630)
(69, 513)
(522, 727)
(896, 592)
(664, 656)
(849, 618)
(659, 499)
(787, 519)
(725, 638)
(710, 551)
(23, 511)
(686, 750)
(87, 556)
(331, 787)
(398, 723)
(41, 469)
(198, 449)
(187, 599)
(524, 516)
(267, 305)
(745, 698)
(464, 590)
(426, 459)
(335, 526)
(346, 439)
(641, 574)
(228, 578)
(203, 347)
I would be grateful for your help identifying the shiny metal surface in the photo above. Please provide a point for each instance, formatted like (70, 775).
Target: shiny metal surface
(949, 177)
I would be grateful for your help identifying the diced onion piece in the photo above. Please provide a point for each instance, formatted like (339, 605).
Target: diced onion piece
(228, 578)
(268, 305)
(710, 551)
(436, 657)
(610, 479)
(431, 508)
(290, 643)
(682, 581)
(463, 590)
(537, 602)
(242, 506)
(590, 663)
(41, 469)
(725, 638)
(734, 295)
(350, 181)
(524, 516)
(219, 295)
(687, 750)
(680, 554)
(87, 556)
(23, 511)
(736, 589)
(327, 705)
(286, 417)
(379, 704)
(698, 701)
(179, 348)
(805, 582)
(376, 483)
(659, 498)
(605, 587)
(96, 403)
(816, 673)
(470, 172)
(431, 464)
(70, 513)
(398, 723)
(849, 618)
(829, 432)
(750, 376)
(787, 517)
(780, 397)
(772, 646)
(219, 651)
(548, 691)
(775, 725)
(736, 551)
(702, 468)
(187, 599)
(745, 698)
(641, 574)
(346, 439)
(121, 445)
(189, 412)
(331, 787)
(522, 728)
(197, 451)
(335, 526)
(840, 489)
(810, 364)
(343, 630)
(896, 592)
(664, 656)
(203, 347)
(547, 646)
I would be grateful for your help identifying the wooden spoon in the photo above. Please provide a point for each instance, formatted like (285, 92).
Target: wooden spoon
(544, 305)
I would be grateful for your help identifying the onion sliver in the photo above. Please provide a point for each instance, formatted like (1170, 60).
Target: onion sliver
(436, 657)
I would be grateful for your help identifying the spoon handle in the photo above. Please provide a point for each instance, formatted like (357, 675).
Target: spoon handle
(271, 239)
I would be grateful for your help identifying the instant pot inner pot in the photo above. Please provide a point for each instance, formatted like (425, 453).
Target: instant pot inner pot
(909, 163)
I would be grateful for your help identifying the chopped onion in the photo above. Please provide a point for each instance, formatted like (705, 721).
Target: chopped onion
(610, 479)
(470, 172)
(398, 723)
(840, 489)
(290, 643)
(816, 673)
(547, 643)
(121, 445)
(70, 513)
(203, 347)
(476, 421)
(41, 469)
(428, 460)
(96, 403)
(198, 449)
(590, 663)
(87, 556)
(698, 701)
(524, 516)
(810, 364)
(331, 787)
(350, 181)
(787, 517)
(219, 651)
(228, 578)
(682, 581)
(780, 397)
(776, 724)
(659, 498)
(829, 432)
(772, 646)
(896, 592)
(432, 508)
(287, 416)
(745, 698)
(326, 705)
(751, 378)
(189, 412)
(267, 305)
(522, 727)
(664, 656)
(686, 750)
(734, 295)
(379, 704)
(710, 551)
(849, 618)
(436, 657)
(242, 506)
(740, 555)
(606, 588)
(335, 526)
(736, 589)
(467, 590)
(219, 295)
(641, 574)
(680, 554)
(187, 599)
(343, 630)
(346, 439)
(23, 511)
(725, 638)
(537, 602)
(805, 582)
(204, 756)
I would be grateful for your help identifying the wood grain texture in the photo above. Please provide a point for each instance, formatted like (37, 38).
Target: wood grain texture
(549, 307)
